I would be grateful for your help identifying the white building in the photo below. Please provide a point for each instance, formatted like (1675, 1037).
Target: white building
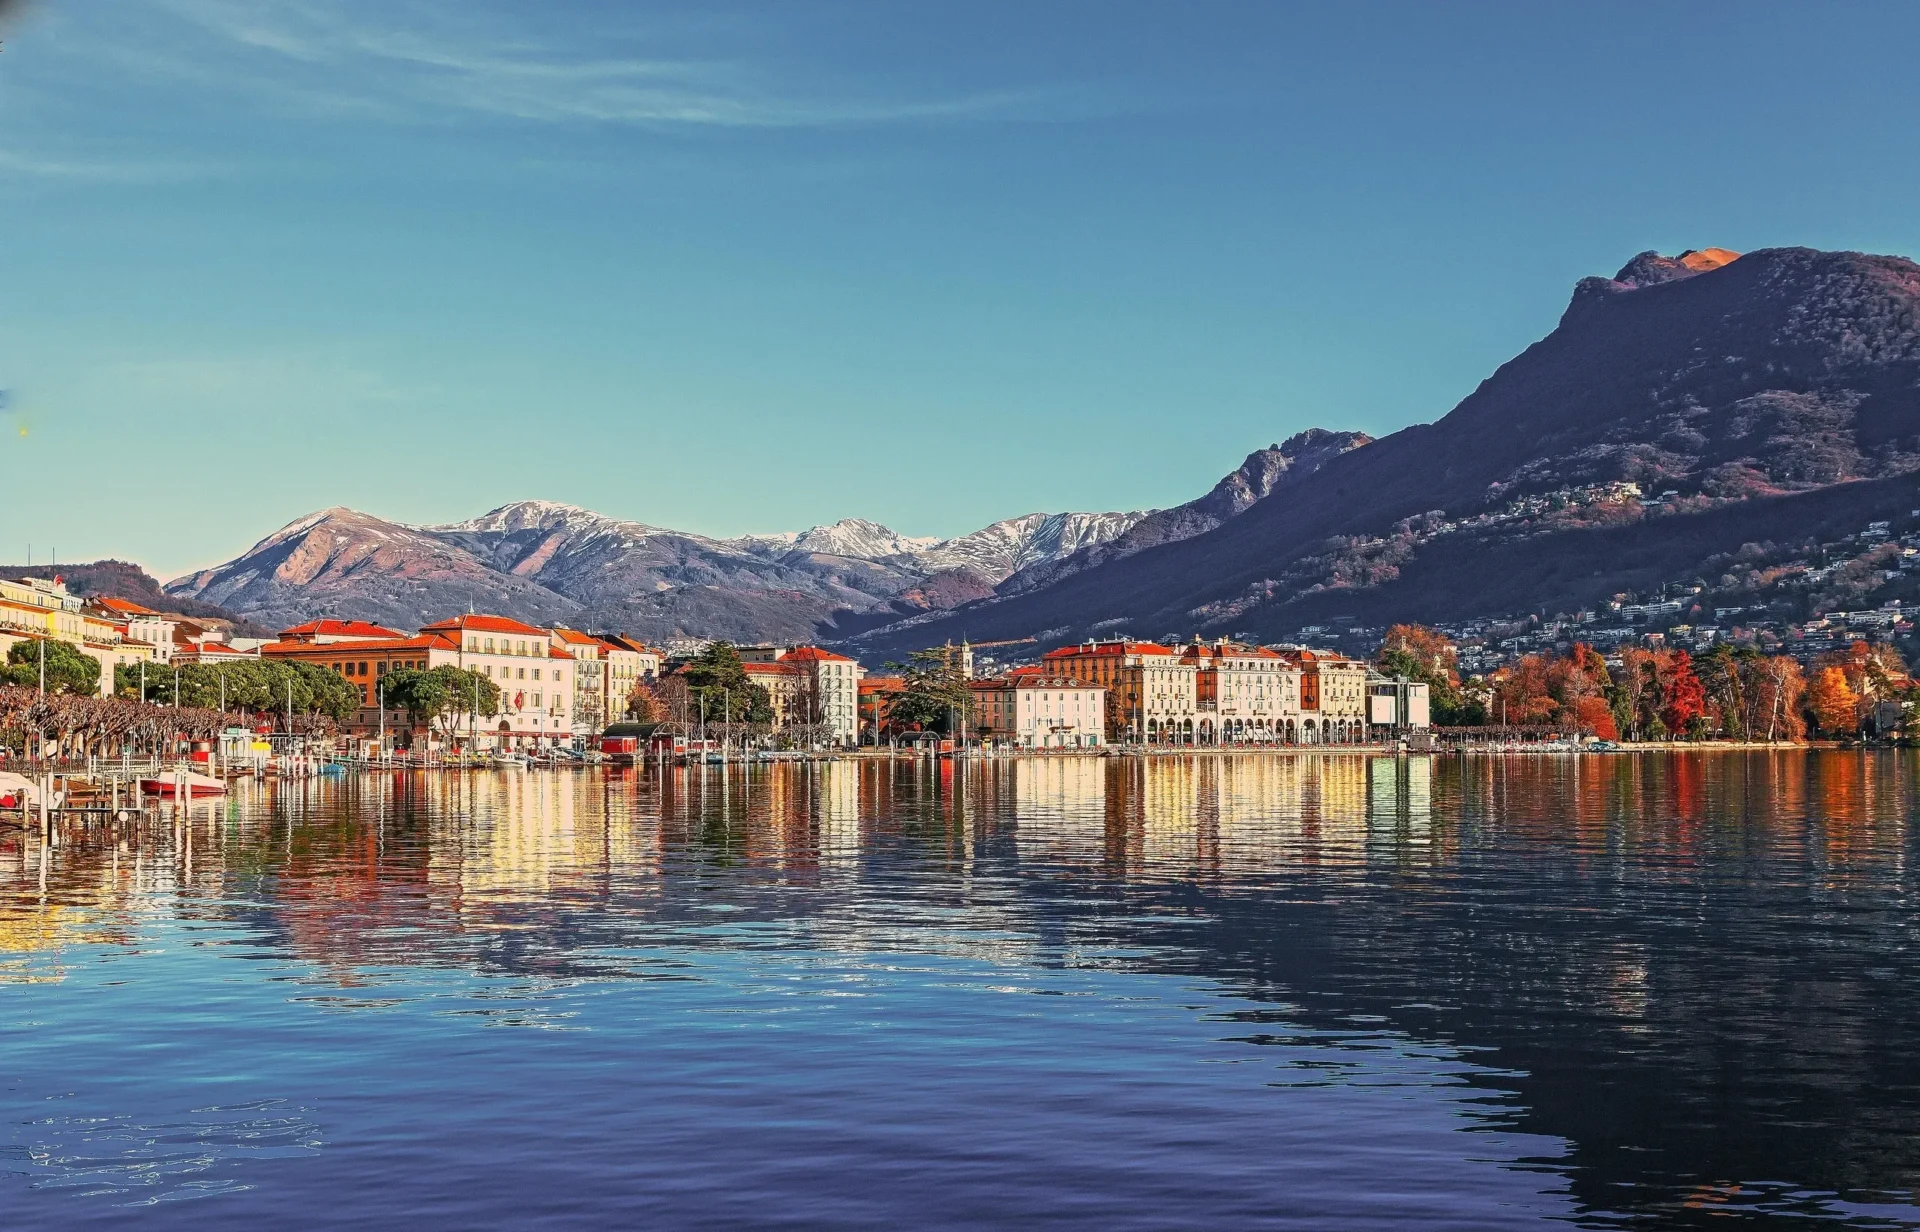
(535, 677)
(830, 693)
(1033, 711)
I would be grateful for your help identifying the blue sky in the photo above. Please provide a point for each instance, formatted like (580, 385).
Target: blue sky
(749, 267)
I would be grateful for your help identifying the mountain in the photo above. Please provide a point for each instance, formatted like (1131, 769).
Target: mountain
(855, 537)
(1264, 472)
(996, 552)
(548, 562)
(1732, 391)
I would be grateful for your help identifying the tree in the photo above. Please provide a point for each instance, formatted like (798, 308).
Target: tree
(643, 706)
(1429, 656)
(438, 697)
(68, 670)
(1682, 700)
(1835, 706)
(259, 686)
(1777, 688)
(1594, 716)
(935, 695)
(720, 690)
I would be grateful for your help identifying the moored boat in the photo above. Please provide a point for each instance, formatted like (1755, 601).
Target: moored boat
(196, 785)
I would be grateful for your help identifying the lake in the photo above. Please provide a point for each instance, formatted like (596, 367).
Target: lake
(1320, 991)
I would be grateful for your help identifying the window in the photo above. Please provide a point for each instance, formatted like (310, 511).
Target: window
(536, 701)
(536, 674)
(489, 645)
(523, 673)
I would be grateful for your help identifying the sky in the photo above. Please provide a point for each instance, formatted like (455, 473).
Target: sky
(747, 267)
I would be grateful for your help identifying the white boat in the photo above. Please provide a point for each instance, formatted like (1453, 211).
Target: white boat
(17, 791)
(195, 785)
(510, 759)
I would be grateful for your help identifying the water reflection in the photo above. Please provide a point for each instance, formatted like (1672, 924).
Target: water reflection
(1677, 986)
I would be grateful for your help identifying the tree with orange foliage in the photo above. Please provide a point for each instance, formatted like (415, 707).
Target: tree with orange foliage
(1427, 655)
(1594, 716)
(1431, 650)
(1682, 699)
(1522, 692)
(1835, 706)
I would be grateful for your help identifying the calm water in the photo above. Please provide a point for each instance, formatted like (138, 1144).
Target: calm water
(1319, 992)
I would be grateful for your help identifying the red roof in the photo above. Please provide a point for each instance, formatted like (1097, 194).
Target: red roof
(554, 652)
(124, 606)
(483, 624)
(425, 641)
(621, 641)
(769, 669)
(1109, 648)
(340, 628)
(813, 654)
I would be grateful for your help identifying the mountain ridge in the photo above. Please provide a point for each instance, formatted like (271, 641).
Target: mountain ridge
(1761, 375)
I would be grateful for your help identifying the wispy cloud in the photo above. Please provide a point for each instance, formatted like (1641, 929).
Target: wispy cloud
(18, 164)
(425, 61)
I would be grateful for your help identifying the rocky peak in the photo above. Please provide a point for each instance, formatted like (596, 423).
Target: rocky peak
(1649, 269)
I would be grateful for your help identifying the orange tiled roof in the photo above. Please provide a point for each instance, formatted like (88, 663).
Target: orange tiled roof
(1109, 648)
(341, 628)
(813, 654)
(424, 641)
(483, 624)
(124, 606)
(554, 652)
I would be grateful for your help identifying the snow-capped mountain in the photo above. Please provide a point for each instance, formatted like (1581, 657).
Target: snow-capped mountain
(999, 551)
(544, 560)
(853, 537)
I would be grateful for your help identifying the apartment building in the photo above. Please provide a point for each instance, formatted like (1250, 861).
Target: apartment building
(629, 662)
(40, 608)
(535, 676)
(1030, 710)
(1244, 694)
(592, 696)
(1333, 696)
(1151, 695)
(364, 662)
(826, 686)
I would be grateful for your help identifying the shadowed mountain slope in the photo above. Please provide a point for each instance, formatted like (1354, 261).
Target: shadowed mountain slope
(1715, 378)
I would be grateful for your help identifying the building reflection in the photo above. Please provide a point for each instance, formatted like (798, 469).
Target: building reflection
(1633, 924)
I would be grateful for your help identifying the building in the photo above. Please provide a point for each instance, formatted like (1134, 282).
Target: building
(1333, 696)
(826, 689)
(321, 632)
(212, 652)
(876, 694)
(1396, 706)
(629, 664)
(364, 663)
(1244, 694)
(1033, 711)
(535, 676)
(592, 695)
(1151, 695)
(34, 609)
